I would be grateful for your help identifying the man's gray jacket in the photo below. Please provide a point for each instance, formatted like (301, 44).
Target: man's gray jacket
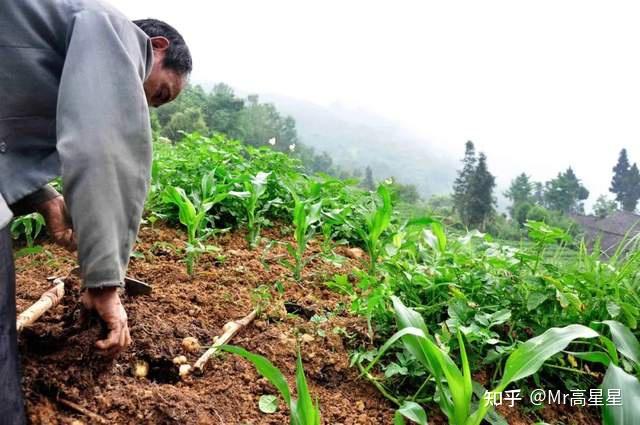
(72, 104)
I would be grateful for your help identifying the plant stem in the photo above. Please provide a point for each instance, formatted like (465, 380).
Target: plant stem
(568, 369)
(379, 386)
(421, 387)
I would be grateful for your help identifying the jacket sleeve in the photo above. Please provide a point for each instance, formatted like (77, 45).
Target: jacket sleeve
(30, 203)
(104, 141)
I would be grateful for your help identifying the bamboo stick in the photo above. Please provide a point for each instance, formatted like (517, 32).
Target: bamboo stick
(74, 406)
(229, 329)
(49, 299)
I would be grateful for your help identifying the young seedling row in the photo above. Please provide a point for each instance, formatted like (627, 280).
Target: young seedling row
(444, 306)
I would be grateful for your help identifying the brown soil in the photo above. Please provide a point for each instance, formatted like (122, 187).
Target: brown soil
(59, 360)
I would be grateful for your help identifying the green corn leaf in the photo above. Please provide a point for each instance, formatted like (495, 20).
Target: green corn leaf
(466, 375)
(392, 340)
(412, 411)
(630, 313)
(421, 222)
(592, 356)
(265, 368)
(408, 318)
(628, 412)
(437, 362)
(438, 230)
(318, 418)
(531, 355)
(314, 214)
(611, 349)
(492, 417)
(382, 216)
(305, 409)
(624, 340)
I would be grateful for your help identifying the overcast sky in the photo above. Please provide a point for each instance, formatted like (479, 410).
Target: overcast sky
(538, 86)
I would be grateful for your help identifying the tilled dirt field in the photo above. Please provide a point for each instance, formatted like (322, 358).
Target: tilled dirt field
(59, 360)
(61, 365)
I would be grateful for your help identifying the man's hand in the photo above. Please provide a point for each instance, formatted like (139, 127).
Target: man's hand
(106, 302)
(58, 221)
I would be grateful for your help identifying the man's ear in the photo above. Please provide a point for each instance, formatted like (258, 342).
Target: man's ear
(160, 43)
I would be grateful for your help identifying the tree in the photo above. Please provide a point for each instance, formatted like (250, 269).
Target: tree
(462, 184)
(633, 194)
(368, 182)
(260, 122)
(604, 206)
(192, 97)
(625, 183)
(538, 193)
(520, 191)
(190, 120)
(538, 213)
(223, 111)
(440, 205)
(520, 212)
(480, 195)
(321, 163)
(565, 193)
(250, 121)
(404, 192)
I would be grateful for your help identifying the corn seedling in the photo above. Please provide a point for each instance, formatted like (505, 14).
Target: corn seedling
(377, 220)
(193, 215)
(254, 188)
(29, 225)
(303, 411)
(305, 216)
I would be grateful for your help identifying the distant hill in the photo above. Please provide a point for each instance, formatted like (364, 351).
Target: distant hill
(357, 139)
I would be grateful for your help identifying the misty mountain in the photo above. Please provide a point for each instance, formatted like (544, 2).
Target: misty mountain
(356, 139)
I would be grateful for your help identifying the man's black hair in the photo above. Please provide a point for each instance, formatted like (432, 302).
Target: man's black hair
(177, 57)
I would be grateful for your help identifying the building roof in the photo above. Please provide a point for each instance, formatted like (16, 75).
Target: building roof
(611, 229)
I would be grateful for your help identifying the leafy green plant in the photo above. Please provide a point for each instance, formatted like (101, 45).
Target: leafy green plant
(305, 216)
(303, 411)
(468, 287)
(29, 226)
(454, 386)
(193, 215)
(254, 187)
(377, 220)
(617, 376)
(543, 235)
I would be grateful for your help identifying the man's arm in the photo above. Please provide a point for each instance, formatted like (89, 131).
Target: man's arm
(104, 144)
(30, 203)
(50, 203)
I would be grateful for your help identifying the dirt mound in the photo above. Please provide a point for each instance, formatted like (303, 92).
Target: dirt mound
(60, 363)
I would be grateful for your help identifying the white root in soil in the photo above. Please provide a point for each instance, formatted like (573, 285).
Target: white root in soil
(230, 329)
(48, 300)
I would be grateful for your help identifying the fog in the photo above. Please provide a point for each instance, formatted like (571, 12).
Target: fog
(537, 86)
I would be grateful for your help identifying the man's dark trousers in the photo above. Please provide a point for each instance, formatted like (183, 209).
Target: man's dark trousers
(11, 404)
